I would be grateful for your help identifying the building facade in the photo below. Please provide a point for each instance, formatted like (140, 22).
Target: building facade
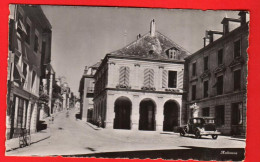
(57, 99)
(29, 29)
(216, 78)
(140, 87)
(86, 92)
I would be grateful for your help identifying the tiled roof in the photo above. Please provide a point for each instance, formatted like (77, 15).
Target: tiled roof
(151, 47)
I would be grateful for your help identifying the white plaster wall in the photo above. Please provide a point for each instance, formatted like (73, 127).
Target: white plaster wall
(137, 72)
(136, 98)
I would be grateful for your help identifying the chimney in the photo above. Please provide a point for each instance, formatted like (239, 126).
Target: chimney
(152, 28)
(210, 35)
(225, 22)
(138, 36)
(225, 26)
(86, 69)
(242, 15)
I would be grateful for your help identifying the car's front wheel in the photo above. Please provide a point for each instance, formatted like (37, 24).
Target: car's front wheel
(182, 133)
(214, 136)
(197, 134)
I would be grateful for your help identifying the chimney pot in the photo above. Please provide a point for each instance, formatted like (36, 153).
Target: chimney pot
(138, 36)
(225, 23)
(242, 15)
(152, 28)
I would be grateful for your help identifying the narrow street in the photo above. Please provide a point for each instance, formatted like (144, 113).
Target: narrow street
(75, 137)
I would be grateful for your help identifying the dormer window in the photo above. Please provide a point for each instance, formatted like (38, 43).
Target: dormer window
(172, 54)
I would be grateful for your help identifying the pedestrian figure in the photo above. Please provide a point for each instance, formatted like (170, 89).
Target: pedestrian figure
(67, 114)
(99, 121)
(52, 119)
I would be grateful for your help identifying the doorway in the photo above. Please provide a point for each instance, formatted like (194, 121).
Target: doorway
(147, 115)
(123, 107)
(170, 115)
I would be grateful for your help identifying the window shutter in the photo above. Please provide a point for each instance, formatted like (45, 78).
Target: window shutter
(124, 73)
(180, 79)
(164, 79)
(148, 77)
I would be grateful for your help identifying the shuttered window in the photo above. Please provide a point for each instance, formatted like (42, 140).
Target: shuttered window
(148, 77)
(124, 73)
(164, 79)
(180, 79)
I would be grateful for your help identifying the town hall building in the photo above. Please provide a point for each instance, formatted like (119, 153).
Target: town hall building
(140, 87)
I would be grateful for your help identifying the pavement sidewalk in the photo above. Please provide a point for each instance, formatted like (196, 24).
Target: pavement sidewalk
(13, 144)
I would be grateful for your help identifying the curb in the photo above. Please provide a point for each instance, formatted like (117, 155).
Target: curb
(16, 142)
(93, 126)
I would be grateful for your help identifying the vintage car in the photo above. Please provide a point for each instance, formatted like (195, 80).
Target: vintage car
(200, 127)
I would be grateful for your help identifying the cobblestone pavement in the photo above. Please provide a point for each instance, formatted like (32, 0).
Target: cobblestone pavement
(73, 137)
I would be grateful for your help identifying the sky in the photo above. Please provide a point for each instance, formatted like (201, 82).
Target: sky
(81, 36)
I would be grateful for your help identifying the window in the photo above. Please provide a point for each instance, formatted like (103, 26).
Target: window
(205, 111)
(220, 85)
(28, 35)
(20, 113)
(25, 75)
(237, 49)
(206, 88)
(33, 78)
(206, 60)
(172, 79)
(148, 78)
(36, 43)
(24, 70)
(124, 73)
(220, 56)
(193, 91)
(194, 69)
(220, 115)
(172, 54)
(237, 80)
(43, 47)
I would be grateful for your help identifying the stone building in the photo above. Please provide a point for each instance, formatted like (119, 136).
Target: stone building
(86, 92)
(29, 30)
(216, 77)
(140, 87)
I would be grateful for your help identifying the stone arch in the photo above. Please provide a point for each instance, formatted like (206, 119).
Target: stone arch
(171, 115)
(147, 113)
(123, 110)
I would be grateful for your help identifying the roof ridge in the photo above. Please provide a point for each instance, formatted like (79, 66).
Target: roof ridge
(131, 43)
(174, 43)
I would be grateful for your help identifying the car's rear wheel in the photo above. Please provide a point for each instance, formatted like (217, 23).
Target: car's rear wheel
(197, 134)
(182, 133)
(214, 136)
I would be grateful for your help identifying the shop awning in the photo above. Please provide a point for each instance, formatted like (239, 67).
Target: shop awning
(21, 26)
